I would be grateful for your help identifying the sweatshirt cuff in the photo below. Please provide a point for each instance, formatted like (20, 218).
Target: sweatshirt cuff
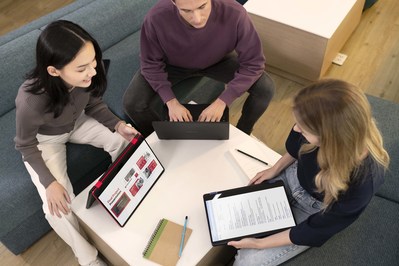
(46, 181)
(227, 97)
(166, 94)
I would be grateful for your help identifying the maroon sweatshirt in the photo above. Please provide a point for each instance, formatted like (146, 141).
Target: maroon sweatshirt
(167, 39)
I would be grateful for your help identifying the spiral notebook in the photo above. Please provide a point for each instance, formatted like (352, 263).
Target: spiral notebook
(164, 244)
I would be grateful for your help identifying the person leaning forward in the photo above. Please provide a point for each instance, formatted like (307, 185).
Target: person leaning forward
(181, 39)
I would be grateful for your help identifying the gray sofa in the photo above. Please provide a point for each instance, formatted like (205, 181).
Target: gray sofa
(116, 26)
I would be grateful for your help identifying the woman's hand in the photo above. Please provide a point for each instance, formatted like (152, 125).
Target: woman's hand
(285, 161)
(272, 241)
(262, 176)
(57, 199)
(244, 243)
(126, 131)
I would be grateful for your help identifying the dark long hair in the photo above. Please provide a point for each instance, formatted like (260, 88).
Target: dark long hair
(58, 45)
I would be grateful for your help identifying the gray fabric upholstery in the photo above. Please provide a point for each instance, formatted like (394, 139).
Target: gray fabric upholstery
(17, 58)
(124, 63)
(371, 240)
(387, 115)
(112, 21)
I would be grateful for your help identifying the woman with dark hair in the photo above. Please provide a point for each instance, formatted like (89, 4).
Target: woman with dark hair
(60, 102)
(335, 162)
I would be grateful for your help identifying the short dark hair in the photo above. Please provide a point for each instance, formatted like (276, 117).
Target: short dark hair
(58, 45)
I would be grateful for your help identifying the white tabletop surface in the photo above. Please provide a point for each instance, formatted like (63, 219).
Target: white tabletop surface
(192, 168)
(321, 17)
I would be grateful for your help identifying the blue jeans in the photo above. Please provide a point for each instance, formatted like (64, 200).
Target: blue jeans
(303, 205)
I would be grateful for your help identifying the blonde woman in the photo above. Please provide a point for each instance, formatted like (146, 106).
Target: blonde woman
(334, 164)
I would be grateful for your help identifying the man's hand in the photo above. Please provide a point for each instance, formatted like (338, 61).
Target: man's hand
(57, 199)
(214, 112)
(178, 112)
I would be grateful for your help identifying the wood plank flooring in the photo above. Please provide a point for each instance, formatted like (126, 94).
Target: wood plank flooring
(372, 63)
(16, 13)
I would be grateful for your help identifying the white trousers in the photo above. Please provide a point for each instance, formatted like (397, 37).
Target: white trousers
(87, 131)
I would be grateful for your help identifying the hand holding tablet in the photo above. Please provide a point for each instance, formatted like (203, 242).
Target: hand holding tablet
(251, 211)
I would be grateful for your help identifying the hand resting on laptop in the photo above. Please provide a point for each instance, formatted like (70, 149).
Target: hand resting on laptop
(178, 112)
(169, 129)
(214, 112)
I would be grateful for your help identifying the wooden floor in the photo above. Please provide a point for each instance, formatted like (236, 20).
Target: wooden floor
(372, 63)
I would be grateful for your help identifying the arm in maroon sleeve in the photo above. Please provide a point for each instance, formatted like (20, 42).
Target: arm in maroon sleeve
(251, 59)
(152, 62)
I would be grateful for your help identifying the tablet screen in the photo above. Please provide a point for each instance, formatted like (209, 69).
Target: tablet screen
(252, 211)
(134, 179)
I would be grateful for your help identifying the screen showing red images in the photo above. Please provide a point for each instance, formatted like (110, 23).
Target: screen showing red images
(132, 183)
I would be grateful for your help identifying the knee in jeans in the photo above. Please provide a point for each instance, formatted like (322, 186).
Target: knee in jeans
(135, 106)
(263, 88)
(140, 107)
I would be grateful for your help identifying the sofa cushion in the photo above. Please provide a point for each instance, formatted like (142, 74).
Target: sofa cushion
(386, 114)
(26, 232)
(15, 176)
(371, 240)
(99, 19)
(124, 58)
(17, 58)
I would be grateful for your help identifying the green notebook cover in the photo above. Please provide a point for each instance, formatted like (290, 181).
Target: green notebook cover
(164, 243)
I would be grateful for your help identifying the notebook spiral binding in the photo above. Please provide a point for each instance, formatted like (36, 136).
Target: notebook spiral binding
(152, 237)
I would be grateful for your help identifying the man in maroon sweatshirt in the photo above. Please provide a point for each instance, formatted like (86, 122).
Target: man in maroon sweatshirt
(190, 38)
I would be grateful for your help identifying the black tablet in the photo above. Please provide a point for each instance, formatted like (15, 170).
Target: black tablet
(251, 211)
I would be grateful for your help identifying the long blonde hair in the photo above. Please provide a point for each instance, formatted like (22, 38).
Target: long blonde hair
(340, 115)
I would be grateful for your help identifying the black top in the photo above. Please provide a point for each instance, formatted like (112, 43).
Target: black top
(319, 227)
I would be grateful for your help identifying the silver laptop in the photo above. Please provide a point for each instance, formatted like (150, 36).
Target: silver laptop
(193, 130)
